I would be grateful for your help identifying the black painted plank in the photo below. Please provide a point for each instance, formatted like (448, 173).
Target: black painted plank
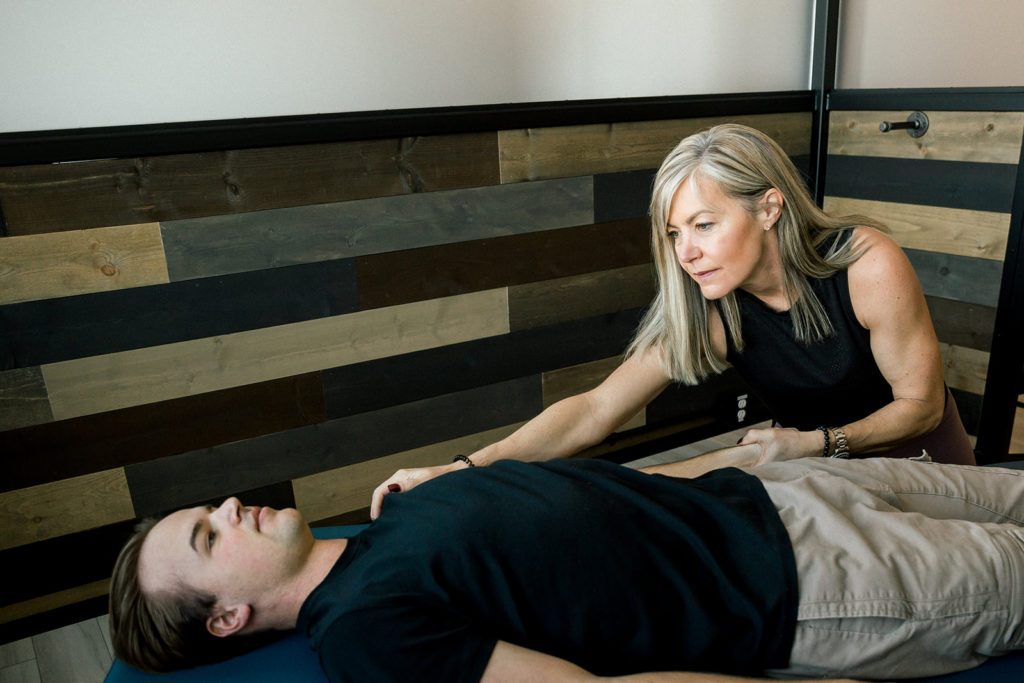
(953, 184)
(621, 196)
(962, 324)
(184, 479)
(54, 330)
(961, 278)
(399, 379)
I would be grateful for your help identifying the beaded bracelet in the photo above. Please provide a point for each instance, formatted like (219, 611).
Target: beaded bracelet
(464, 459)
(824, 430)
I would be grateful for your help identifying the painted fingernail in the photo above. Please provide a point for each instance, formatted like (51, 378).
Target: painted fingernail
(394, 488)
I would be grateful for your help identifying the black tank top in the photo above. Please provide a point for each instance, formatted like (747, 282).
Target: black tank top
(831, 382)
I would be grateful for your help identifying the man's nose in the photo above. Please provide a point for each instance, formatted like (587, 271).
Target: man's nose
(230, 509)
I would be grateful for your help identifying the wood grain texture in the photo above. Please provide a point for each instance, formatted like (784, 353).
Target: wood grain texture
(953, 184)
(347, 489)
(80, 261)
(235, 243)
(53, 197)
(46, 603)
(73, 653)
(979, 234)
(961, 324)
(130, 378)
(60, 450)
(965, 369)
(168, 483)
(993, 137)
(23, 399)
(551, 301)
(54, 330)
(564, 151)
(416, 274)
(62, 507)
(376, 384)
(577, 379)
(961, 278)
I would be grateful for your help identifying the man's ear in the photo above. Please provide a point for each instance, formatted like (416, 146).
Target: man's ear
(226, 621)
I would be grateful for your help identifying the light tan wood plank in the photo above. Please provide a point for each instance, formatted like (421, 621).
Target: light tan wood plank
(334, 492)
(73, 654)
(981, 234)
(580, 296)
(1017, 436)
(965, 369)
(566, 151)
(63, 507)
(16, 652)
(80, 262)
(992, 137)
(559, 384)
(52, 601)
(91, 385)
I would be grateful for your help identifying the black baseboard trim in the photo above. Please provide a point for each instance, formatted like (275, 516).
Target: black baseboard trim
(49, 146)
(939, 99)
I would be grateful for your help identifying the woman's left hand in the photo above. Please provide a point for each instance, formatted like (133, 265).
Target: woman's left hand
(785, 444)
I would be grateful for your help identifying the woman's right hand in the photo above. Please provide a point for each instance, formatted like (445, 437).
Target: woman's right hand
(406, 480)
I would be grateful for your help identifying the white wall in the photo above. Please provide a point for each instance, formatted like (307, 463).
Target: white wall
(82, 63)
(931, 43)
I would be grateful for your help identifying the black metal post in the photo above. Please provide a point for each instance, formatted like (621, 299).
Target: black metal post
(823, 82)
(1006, 357)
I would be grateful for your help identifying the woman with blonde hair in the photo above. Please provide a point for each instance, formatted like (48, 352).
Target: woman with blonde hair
(822, 316)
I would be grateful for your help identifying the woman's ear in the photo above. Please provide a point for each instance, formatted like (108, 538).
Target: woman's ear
(771, 205)
(226, 621)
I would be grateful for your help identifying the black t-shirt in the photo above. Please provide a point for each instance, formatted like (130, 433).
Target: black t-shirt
(612, 569)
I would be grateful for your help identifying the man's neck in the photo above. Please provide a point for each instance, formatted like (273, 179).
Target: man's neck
(322, 557)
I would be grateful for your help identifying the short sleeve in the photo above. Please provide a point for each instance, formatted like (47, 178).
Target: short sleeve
(404, 641)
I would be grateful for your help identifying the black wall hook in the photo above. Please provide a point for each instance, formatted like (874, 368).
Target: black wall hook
(916, 125)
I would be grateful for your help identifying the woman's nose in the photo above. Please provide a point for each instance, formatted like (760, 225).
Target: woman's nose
(685, 249)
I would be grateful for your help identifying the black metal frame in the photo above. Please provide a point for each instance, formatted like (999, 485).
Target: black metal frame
(823, 82)
(1005, 380)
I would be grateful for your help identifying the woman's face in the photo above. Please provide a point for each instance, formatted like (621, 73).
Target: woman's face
(721, 245)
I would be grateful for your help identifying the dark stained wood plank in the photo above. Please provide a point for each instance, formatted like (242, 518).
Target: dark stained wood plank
(962, 324)
(69, 448)
(953, 184)
(23, 399)
(550, 301)
(960, 278)
(75, 327)
(377, 384)
(234, 243)
(183, 479)
(55, 197)
(430, 272)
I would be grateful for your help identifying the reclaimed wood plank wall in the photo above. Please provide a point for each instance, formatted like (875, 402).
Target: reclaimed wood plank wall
(947, 198)
(293, 324)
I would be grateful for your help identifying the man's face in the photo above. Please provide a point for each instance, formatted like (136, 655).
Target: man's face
(236, 553)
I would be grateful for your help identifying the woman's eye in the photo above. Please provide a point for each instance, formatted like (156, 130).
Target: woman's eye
(673, 235)
(704, 226)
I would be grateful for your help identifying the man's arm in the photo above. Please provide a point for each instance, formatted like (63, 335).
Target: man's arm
(513, 663)
(735, 456)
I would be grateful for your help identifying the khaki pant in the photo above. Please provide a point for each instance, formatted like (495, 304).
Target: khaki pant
(905, 568)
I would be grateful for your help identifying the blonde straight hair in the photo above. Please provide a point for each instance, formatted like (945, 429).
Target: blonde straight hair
(744, 163)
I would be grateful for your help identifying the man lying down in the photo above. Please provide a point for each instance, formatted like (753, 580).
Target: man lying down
(571, 570)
